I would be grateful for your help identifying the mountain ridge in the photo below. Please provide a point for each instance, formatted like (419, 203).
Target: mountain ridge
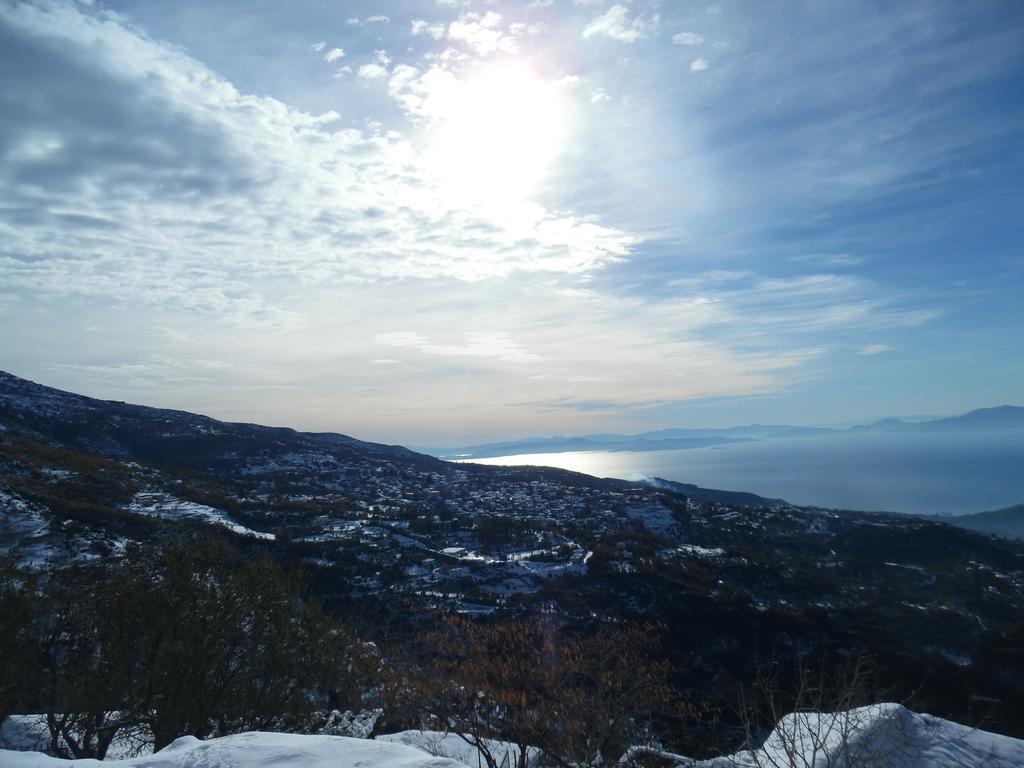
(1007, 521)
(681, 438)
(138, 432)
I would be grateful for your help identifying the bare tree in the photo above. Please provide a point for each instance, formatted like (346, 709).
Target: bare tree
(820, 717)
(185, 640)
(580, 701)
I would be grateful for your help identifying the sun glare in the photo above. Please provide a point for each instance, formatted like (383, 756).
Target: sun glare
(496, 133)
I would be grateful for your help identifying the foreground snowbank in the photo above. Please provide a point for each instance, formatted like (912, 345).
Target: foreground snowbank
(879, 736)
(256, 750)
(453, 746)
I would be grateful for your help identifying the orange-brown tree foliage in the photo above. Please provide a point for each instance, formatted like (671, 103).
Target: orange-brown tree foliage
(580, 700)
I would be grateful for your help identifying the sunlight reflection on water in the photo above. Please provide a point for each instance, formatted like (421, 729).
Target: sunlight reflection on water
(933, 473)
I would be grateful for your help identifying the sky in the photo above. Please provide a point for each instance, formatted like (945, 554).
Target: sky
(447, 221)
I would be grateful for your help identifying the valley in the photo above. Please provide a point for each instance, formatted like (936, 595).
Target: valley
(389, 536)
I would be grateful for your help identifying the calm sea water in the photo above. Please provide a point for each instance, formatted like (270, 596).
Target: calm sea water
(937, 473)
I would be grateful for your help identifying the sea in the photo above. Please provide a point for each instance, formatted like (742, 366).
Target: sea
(938, 473)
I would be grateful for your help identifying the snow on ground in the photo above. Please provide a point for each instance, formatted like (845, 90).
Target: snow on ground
(453, 746)
(56, 474)
(23, 530)
(657, 518)
(21, 518)
(695, 551)
(160, 504)
(29, 733)
(24, 733)
(879, 736)
(882, 735)
(256, 750)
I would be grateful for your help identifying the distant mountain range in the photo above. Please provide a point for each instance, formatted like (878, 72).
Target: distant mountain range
(159, 437)
(1000, 417)
(1008, 522)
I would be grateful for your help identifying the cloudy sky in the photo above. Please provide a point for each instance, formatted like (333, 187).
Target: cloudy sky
(436, 221)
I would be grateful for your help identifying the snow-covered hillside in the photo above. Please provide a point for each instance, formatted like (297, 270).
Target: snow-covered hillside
(879, 736)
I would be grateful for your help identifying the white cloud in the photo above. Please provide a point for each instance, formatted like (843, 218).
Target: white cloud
(355, 21)
(812, 303)
(615, 23)
(373, 71)
(599, 96)
(496, 345)
(334, 54)
(481, 35)
(172, 199)
(420, 27)
(874, 349)
(318, 46)
(687, 38)
(216, 193)
(623, 353)
(378, 69)
(698, 65)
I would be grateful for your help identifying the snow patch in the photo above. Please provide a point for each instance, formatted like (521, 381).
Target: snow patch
(56, 474)
(695, 551)
(23, 530)
(160, 504)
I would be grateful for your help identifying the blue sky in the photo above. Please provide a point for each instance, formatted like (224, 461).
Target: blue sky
(456, 220)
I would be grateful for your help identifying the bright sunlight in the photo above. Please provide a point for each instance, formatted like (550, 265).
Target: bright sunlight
(496, 133)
